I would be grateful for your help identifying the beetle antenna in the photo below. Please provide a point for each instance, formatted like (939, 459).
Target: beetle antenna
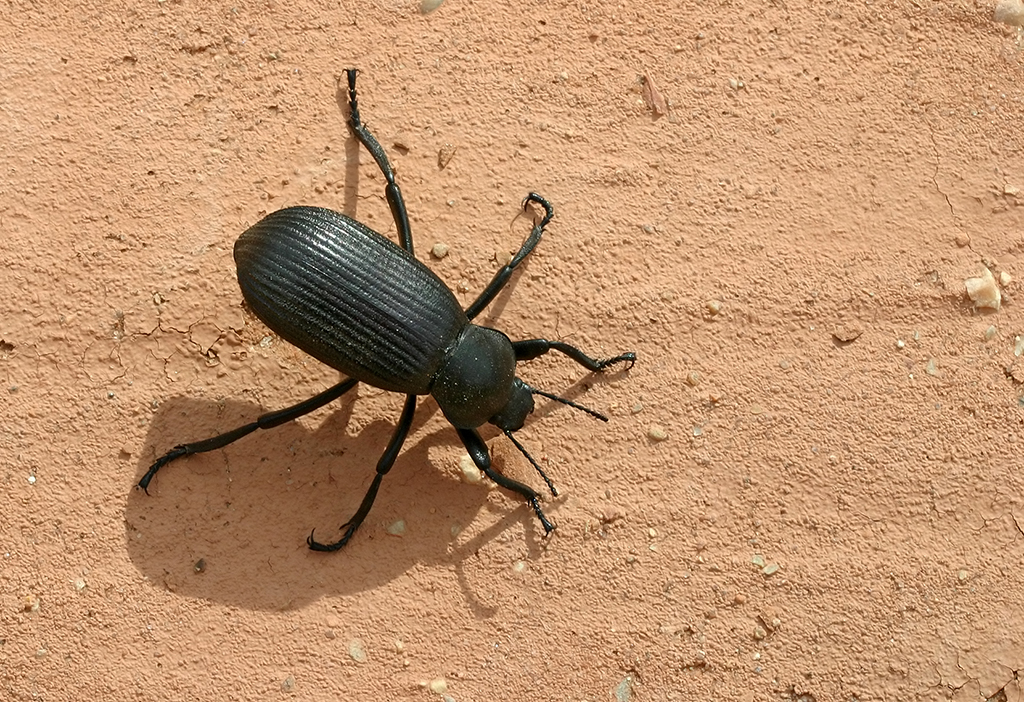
(556, 398)
(522, 450)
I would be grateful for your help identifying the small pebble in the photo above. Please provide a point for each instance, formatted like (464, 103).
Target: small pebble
(624, 690)
(445, 155)
(759, 633)
(983, 291)
(637, 408)
(962, 576)
(397, 528)
(932, 368)
(428, 6)
(1010, 12)
(79, 584)
(991, 332)
(1005, 278)
(470, 473)
(31, 603)
(31, 480)
(288, 684)
(440, 250)
(901, 344)
(770, 569)
(739, 598)
(657, 433)
(758, 560)
(356, 651)
(713, 306)
(962, 240)
(693, 379)
(503, 257)
(438, 686)
(199, 566)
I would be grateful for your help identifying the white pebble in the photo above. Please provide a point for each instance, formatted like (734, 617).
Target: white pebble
(983, 291)
(470, 473)
(357, 651)
(1010, 12)
(397, 528)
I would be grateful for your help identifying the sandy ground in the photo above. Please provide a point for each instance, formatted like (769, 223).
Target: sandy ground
(836, 513)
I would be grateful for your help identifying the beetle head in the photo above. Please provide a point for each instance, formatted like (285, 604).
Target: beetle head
(513, 414)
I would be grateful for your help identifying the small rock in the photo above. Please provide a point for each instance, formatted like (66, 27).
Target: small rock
(847, 333)
(931, 368)
(758, 560)
(739, 598)
(439, 250)
(624, 690)
(397, 528)
(445, 155)
(199, 566)
(962, 240)
(1010, 12)
(428, 6)
(1005, 278)
(983, 291)
(438, 686)
(714, 307)
(637, 408)
(470, 473)
(991, 332)
(759, 633)
(356, 651)
(31, 604)
(656, 432)
(288, 684)
(693, 379)
(770, 569)
(502, 257)
(962, 575)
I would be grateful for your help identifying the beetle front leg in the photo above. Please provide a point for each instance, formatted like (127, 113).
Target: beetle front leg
(529, 349)
(482, 458)
(387, 460)
(394, 195)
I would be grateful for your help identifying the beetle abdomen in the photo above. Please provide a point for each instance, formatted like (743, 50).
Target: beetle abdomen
(348, 296)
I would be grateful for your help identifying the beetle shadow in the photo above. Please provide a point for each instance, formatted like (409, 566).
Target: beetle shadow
(230, 525)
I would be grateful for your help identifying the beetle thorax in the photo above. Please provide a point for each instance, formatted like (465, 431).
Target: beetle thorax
(477, 380)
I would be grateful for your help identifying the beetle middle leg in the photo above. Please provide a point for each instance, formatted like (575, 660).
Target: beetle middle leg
(264, 421)
(387, 460)
(529, 349)
(394, 195)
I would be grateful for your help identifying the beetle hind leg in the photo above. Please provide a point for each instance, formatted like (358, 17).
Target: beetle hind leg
(387, 460)
(394, 195)
(264, 421)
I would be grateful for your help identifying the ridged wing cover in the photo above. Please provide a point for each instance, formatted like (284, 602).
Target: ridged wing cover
(348, 296)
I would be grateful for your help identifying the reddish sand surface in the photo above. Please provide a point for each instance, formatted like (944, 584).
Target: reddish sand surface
(835, 508)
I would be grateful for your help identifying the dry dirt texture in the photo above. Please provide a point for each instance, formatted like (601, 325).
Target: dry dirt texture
(837, 512)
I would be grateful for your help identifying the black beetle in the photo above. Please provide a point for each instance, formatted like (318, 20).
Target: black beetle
(367, 307)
